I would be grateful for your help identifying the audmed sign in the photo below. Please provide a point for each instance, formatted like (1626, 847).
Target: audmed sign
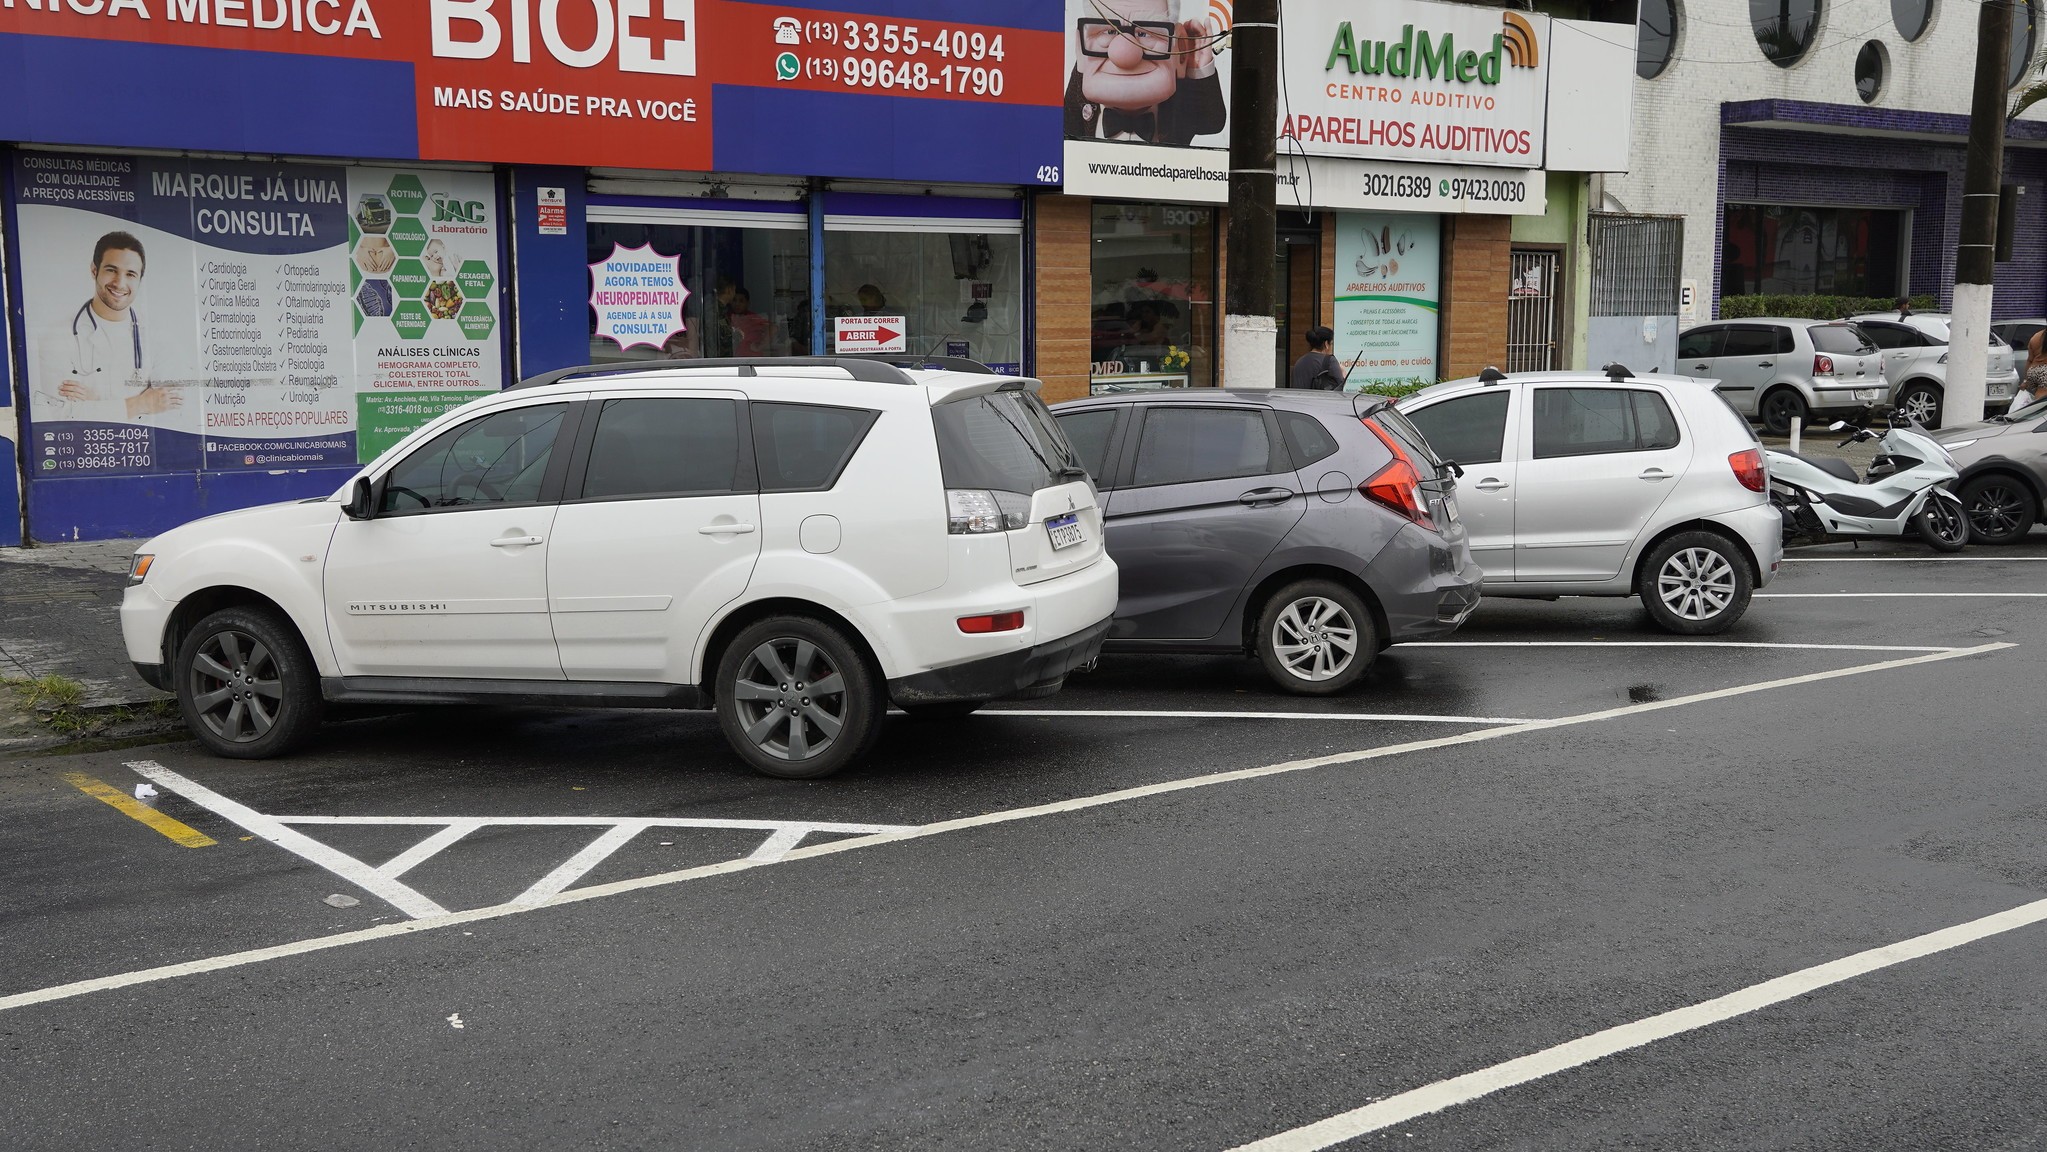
(1413, 80)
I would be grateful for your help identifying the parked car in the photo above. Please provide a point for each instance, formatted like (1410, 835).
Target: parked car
(1311, 529)
(2019, 334)
(1589, 484)
(2003, 462)
(1915, 362)
(1776, 370)
(791, 542)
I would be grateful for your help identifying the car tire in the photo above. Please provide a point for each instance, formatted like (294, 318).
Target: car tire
(1920, 402)
(1696, 584)
(949, 710)
(1779, 407)
(772, 710)
(247, 686)
(1302, 636)
(2000, 509)
(1943, 524)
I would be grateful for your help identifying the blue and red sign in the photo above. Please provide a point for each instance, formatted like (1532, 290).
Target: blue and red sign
(946, 90)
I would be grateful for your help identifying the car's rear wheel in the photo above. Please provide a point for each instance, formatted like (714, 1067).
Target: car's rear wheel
(246, 684)
(797, 699)
(1696, 584)
(2000, 509)
(1920, 403)
(1780, 407)
(1316, 637)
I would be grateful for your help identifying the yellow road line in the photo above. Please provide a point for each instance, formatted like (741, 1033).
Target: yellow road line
(176, 831)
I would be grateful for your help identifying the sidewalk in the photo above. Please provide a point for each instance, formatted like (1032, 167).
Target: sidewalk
(59, 616)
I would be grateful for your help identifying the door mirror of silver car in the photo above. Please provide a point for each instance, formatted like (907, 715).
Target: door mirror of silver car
(359, 504)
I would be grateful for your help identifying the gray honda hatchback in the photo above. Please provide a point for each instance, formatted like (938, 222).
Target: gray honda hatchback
(1311, 529)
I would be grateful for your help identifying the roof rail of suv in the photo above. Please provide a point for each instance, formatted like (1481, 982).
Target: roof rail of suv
(863, 368)
(906, 360)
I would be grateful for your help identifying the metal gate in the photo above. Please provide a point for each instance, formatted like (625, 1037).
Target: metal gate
(1532, 311)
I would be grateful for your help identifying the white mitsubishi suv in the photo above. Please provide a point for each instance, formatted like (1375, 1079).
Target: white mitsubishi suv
(791, 542)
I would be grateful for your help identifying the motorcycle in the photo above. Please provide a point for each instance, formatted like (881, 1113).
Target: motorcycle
(1821, 499)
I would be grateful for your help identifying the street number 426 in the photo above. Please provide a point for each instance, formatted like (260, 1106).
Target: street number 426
(1048, 174)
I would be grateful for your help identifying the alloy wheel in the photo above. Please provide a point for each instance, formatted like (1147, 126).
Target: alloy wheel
(1315, 638)
(235, 686)
(1997, 510)
(1696, 583)
(1948, 520)
(1921, 407)
(791, 699)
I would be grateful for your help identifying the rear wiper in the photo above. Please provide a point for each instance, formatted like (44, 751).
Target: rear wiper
(1071, 472)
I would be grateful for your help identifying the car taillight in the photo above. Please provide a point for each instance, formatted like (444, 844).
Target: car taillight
(1748, 468)
(970, 511)
(1823, 365)
(1398, 485)
(992, 622)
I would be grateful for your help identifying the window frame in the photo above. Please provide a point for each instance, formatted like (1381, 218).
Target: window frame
(1508, 446)
(551, 481)
(746, 478)
(1535, 451)
(1276, 455)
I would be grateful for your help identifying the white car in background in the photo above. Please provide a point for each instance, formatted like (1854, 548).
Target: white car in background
(1915, 351)
(793, 543)
(1589, 484)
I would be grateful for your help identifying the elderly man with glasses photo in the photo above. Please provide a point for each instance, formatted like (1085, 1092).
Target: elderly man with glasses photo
(1142, 74)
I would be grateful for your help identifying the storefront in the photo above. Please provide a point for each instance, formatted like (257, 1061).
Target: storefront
(193, 324)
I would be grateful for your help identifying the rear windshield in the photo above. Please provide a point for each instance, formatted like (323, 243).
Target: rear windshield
(1841, 339)
(1396, 424)
(1006, 441)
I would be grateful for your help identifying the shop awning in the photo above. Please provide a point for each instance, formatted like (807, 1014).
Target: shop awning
(1862, 120)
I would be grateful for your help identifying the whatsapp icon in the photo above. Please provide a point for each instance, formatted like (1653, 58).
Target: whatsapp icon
(787, 66)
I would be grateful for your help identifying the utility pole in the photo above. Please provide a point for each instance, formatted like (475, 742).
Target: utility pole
(1975, 257)
(1250, 332)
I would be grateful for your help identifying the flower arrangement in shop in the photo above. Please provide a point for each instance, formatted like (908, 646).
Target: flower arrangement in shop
(1176, 359)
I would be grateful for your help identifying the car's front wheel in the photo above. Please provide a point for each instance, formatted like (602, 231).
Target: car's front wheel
(1942, 524)
(1315, 638)
(1920, 403)
(797, 699)
(2000, 509)
(246, 684)
(1696, 584)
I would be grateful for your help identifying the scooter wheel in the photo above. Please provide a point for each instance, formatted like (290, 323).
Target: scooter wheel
(1943, 525)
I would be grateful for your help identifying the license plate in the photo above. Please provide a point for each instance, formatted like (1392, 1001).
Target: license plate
(1997, 391)
(1065, 530)
(1450, 509)
(1868, 393)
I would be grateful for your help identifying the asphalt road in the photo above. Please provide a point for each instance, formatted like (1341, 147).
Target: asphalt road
(1096, 936)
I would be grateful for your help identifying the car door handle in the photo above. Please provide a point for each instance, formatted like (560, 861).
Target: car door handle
(1700, 367)
(1767, 364)
(1257, 496)
(516, 541)
(1655, 474)
(1490, 484)
(724, 529)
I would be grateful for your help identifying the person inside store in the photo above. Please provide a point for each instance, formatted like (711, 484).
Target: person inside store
(97, 365)
(749, 328)
(1148, 325)
(1318, 368)
(872, 302)
(1140, 73)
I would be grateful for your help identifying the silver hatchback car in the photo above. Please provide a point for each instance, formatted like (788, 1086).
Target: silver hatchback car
(1774, 369)
(1583, 484)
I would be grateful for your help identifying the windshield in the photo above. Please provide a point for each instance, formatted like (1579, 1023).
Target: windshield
(1840, 339)
(1402, 429)
(1005, 441)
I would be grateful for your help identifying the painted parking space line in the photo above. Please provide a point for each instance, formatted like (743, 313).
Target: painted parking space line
(1784, 645)
(176, 831)
(1899, 595)
(1442, 1094)
(382, 881)
(1913, 559)
(1142, 713)
(310, 945)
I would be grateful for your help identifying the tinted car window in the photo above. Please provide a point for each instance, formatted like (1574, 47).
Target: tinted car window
(1306, 439)
(1697, 344)
(1886, 336)
(1005, 441)
(1395, 424)
(1585, 421)
(1839, 339)
(1469, 429)
(1180, 445)
(1750, 342)
(1088, 432)
(1655, 426)
(496, 459)
(1785, 343)
(664, 446)
(804, 447)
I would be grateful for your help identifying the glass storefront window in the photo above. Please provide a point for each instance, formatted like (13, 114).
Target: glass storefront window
(1797, 251)
(749, 287)
(960, 293)
(1153, 320)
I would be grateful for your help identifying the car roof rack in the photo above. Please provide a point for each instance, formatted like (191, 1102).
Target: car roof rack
(913, 361)
(1617, 371)
(863, 368)
(1490, 376)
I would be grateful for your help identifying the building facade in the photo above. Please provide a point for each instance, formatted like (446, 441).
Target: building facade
(292, 231)
(1816, 147)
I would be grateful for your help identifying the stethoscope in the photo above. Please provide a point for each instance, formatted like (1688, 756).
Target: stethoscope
(85, 312)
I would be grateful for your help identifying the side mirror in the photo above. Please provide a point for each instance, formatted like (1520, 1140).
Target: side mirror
(359, 505)
(1837, 425)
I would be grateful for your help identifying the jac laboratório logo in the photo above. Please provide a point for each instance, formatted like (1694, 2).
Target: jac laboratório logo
(1421, 54)
(656, 36)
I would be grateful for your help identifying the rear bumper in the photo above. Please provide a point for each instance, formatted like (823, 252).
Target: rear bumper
(993, 677)
(1761, 527)
(157, 676)
(1425, 589)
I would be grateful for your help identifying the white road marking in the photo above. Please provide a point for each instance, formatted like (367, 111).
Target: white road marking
(1909, 559)
(340, 863)
(596, 891)
(1897, 595)
(1598, 1045)
(426, 849)
(1390, 717)
(572, 869)
(1674, 644)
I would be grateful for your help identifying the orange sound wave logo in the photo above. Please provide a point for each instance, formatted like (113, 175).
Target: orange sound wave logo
(1520, 39)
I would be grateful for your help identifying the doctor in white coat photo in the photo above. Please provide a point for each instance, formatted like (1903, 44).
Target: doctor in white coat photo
(96, 365)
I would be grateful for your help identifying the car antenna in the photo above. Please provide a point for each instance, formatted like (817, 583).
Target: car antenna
(1618, 372)
(1490, 376)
